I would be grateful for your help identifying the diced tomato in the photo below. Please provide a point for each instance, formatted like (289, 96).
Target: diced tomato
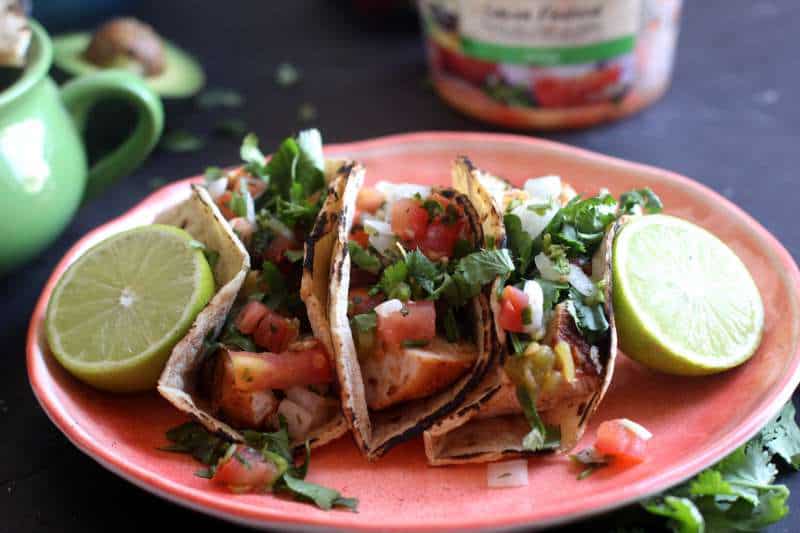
(248, 318)
(473, 70)
(369, 200)
(223, 202)
(259, 371)
(360, 301)
(274, 332)
(620, 442)
(276, 251)
(246, 470)
(513, 303)
(440, 239)
(409, 221)
(361, 237)
(416, 321)
(557, 92)
(256, 186)
(243, 409)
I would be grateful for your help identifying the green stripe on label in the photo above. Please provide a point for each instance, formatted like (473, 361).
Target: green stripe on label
(549, 56)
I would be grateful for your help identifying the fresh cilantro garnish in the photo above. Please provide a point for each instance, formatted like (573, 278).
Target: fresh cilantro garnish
(274, 447)
(231, 336)
(240, 199)
(590, 319)
(738, 493)
(213, 174)
(517, 344)
(646, 200)
(540, 437)
(519, 243)
(277, 291)
(391, 277)
(433, 208)
(423, 274)
(363, 259)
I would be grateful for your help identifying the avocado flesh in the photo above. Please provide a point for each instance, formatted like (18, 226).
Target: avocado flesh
(182, 77)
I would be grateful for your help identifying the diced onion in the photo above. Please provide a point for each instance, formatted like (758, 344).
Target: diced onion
(380, 235)
(507, 474)
(250, 208)
(581, 282)
(389, 307)
(534, 221)
(217, 187)
(543, 188)
(637, 429)
(536, 303)
(548, 269)
(397, 191)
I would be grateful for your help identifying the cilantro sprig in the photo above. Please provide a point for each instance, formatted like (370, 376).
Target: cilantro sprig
(192, 438)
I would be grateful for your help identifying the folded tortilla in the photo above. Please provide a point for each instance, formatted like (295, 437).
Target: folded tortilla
(180, 382)
(377, 431)
(490, 425)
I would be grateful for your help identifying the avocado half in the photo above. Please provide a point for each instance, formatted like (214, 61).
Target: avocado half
(182, 77)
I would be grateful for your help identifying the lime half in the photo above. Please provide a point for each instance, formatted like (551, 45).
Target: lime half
(116, 312)
(683, 301)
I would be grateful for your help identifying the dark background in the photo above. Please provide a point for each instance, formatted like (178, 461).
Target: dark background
(730, 121)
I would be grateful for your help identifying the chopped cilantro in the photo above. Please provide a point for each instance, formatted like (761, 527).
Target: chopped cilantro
(646, 200)
(365, 322)
(363, 259)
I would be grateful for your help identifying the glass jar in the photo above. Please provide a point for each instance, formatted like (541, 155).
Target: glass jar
(550, 64)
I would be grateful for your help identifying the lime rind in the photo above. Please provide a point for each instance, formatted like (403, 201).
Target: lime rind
(182, 77)
(117, 349)
(684, 302)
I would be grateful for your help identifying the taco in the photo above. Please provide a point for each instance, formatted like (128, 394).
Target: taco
(553, 318)
(259, 355)
(409, 309)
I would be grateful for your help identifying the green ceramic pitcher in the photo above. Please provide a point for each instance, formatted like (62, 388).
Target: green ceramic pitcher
(43, 166)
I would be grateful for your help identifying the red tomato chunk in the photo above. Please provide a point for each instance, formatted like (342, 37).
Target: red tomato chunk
(245, 470)
(513, 304)
(416, 322)
(620, 442)
(260, 371)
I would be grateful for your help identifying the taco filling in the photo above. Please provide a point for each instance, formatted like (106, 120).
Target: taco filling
(417, 264)
(553, 319)
(268, 365)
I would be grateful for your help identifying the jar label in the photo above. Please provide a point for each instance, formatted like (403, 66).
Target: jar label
(548, 32)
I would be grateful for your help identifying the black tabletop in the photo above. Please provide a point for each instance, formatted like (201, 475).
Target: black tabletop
(729, 121)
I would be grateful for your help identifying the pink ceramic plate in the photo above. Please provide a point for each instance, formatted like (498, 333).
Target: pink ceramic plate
(696, 421)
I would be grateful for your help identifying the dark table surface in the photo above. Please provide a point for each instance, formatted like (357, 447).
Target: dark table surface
(728, 121)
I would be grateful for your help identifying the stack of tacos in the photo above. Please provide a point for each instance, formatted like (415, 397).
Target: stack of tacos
(478, 315)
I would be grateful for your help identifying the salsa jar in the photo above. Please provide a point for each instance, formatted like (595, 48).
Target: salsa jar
(550, 64)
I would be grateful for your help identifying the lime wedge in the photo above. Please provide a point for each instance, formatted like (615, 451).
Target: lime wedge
(118, 310)
(683, 301)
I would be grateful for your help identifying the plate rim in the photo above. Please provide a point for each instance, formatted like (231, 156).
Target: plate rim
(195, 500)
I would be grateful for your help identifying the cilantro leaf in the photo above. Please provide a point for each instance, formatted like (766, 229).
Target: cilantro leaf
(590, 319)
(682, 512)
(472, 273)
(519, 242)
(194, 439)
(322, 497)
(280, 167)
(392, 276)
(422, 273)
(540, 437)
(250, 153)
(782, 436)
(363, 259)
(231, 336)
(277, 293)
(641, 199)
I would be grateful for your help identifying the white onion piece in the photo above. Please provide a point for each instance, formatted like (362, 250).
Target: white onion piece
(250, 208)
(581, 282)
(217, 187)
(536, 303)
(507, 474)
(637, 429)
(380, 235)
(298, 419)
(548, 269)
(543, 188)
(389, 307)
(532, 222)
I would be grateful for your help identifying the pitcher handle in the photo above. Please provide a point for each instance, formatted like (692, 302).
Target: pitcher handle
(81, 94)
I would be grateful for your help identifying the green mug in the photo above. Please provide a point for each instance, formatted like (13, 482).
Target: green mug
(44, 173)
